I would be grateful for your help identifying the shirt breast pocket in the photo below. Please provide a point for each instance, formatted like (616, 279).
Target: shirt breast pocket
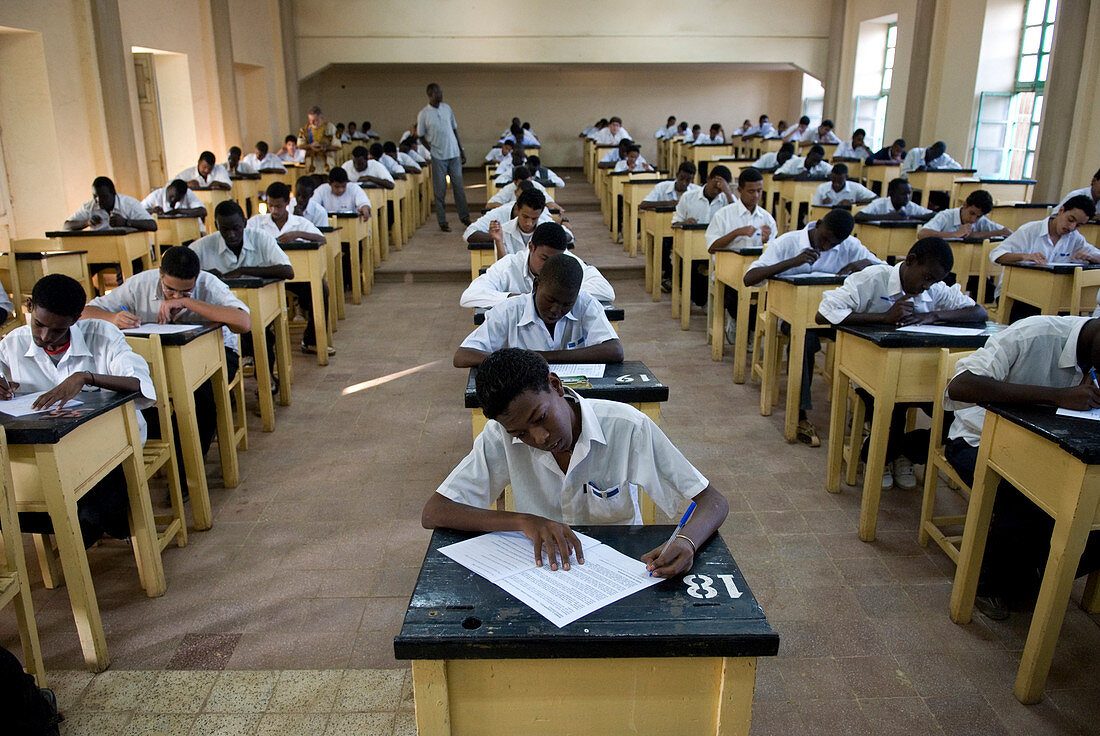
(616, 504)
(574, 344)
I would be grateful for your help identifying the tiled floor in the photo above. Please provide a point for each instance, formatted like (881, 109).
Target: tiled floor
(280, 619)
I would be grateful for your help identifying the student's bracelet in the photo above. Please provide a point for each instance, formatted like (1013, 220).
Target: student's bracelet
(681, 536)
(91, 382)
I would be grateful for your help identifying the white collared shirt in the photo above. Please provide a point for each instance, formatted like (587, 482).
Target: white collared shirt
(665, 191)
(503, 214)
(875, 289)
(640, 165)
(406, 160)
(667, 132)
(811, 136)
(1083, 192)
(141, 296)
(795, 165)
(243, 169)
(618, 447)
(313, 212)
(546, 174)
(264, 222)
(948, 221)
(1036, 351)
(606, 138)
(789, 245)
(217, 174)
(515, 323)
(299, 156)
(507, 193)
(846, 150)
(852, 191)
(95, 345)
(126, 206)
(734, 216)
(515, 240)
(374, 168)
(495, 155)
(270, 161)
(1034, 237)
(391, 163)
(694, 204)
(768, 160)
(915, 159)
(706, 139)
(350, 201)
(791, 129)
(610, 157)
(767, 130)
(883, 206)
(512, 275)
(159, 198)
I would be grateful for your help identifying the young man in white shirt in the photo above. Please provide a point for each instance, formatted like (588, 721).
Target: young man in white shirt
(262, 161)
(1054, 239)
(407, 155)
(892, 154)
(1092, 191)
(304, 205)
(61, 356)
(515, 273)
(697, 206)
(912, 292)
(507, 193)
(962, 222)
(840, 191)
(896, 205)
(612, 134)
(378, 153)
(1038, 360)
(932, 158)
(822, 134)
(855, 148)
(290, 153)
(814, 165)
(763, 129)
(795, 132)
(362, 168)
(542, 174)
(206, 174)
(499, 153)
(717, 135)
(774, 159)
(174, 199)
(337, 196)
(600, 452)
(671, 190)
(365, 130)
(743, 130)
(668, 131)
(593, 130)
(236, 166)
(107, 209)
(634, 162)
(514, 234)
(618, 153)
(556, 320)
(391, 154)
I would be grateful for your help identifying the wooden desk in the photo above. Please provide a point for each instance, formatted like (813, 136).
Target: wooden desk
(246, 192)
(972, 259)
(480, 659)
(361, 260)
(729, 268)
(588, 147)
(795, 192)
(881, 175)
(1002, 190)
(603, 189)
(888, 239)
(857, 167)
(482, 255)
(615, 315)
(703, 154)
(935, 180)
(1091, 231)
(379, 232)
(266, 302)
(618, 181)
(634, 191)
(210, 199)
(1018, 213)
(267, 178)
(33, 266)
(795, 301)
(1049, 287)
(598, 152)
(55, 461)
(771, 192)
(689, 244)
(310, 264)
(112, 245)
(336, 268)
(656, 226)
(629, 382)
(893, 367)
(175, 230)
(1053, 461)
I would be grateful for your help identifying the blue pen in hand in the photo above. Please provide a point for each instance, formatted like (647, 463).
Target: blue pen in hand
(676, 531)
(1092, 375)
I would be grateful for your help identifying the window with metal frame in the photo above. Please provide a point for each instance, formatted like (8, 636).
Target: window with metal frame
(888, 58)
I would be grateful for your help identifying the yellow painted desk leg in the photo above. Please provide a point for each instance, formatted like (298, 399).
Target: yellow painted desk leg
(677, 265)
(741, 339)
(143, 532)
(686, 267)
(356, 268)
(735, 695)
(718, 322)
(771, 364)
(837, 414)
(186, 421)
(656, 246)
(794, 381)
(263, 373)
(227, 446)
(282, 351)
(876, 451)
(433, 702)
(338, 277)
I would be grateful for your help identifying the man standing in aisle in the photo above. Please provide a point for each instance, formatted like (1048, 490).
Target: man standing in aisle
(439, 132)
(319, 140)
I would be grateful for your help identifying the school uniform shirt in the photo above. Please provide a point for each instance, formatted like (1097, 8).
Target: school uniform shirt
(299, 156)
(515, 240)
(359, 136)
(1083, 192)
(125, 205)
(811, 136)
(606, 138)
(494, 155)
(270, 161)
(5, 301)
(875, 289)
(883, 154)
(350, 201)
(665, 191)
(694, 204)
(374, 168)
(915, 159)
(668, 132)
(768, 160)
(795, 166)
(639, 165)
(1034, 237)
(242, 169)
(502, 174)
(313, 212)
(852, 191)
(789, 245)
(423, 151)
(217, 174)
(266, 223)
(589, 131)
(618, 447)
(734, 216)
(141, 295)
(391, 164)
(743, 130)
(846, 150)
(515, 323)
(544, 174)
(707, 139)
(512, 275)
(948, 221)
(528, 138)
(1036, 351)
(507, 193)
(437, 125)
(503, 214)
(159, 198)
(404, 159)
(792, 129)
(415, 155)
(611, 156)
(95, 345)
(883, 206)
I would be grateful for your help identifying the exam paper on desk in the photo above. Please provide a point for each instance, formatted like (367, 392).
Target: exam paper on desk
(942, 330)
(588, 370)
(1093, 414)
(23, 404)
(152, 328)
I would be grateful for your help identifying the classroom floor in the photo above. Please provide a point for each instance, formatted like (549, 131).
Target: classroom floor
(280, 619)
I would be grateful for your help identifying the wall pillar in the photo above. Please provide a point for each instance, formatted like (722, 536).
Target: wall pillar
(832, 81)
(112, 58)
(919, 62)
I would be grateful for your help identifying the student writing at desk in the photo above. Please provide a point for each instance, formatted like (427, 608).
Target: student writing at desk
(336, 196)
(362, 168)
(1092, 192)
(698, 207)
(763, 129)
(814, 165)
(668, 131)
(963, 222)
(542, 174)
(408, 148)
(62, 356)
(391, 160)
(912, 292)
(826, 246)
(822, 134)
(774, 159)
(290, 153)
(891, 154)
(634, 162)
(931, 158)
(839, 191)
(612, 134)
(670, 191)
(304, 205)
(855, 148)
(107, 209)
(515, 273)
(718, 135)
(557, 320)
(174, 199)
(896, 205)
(795, 132)
(206, 174)
(1052, 240)
(263, 161)
(508, 193)
(619, 153)
(499, 153)
(510, 227)
(235, 165)
(602, 452)
(1038, 360)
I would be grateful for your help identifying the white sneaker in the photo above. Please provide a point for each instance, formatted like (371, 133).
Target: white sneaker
(731, 330)
(887, 478)
(903, 474)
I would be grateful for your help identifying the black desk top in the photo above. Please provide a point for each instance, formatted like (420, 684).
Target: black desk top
(976, 238)
(886, 336)
(249, 282)
(817, 279)
(490, 245)
(670, 207)
(609, 387)
(735, 159)
(748, 250)
(1054, 267)
(660, 621)
(329, 229)
(246, 177)
(42, 255)
(984, 180)
(301, 245)
(49, 427)
(799, 177)
(1076, 436)
(892, 224)
(613, 313)
(935, 171)
(1028, 205)
(847, 159)
(176, 216)
(343, 214)
(606, 164)
(86, 233)
(692, 225)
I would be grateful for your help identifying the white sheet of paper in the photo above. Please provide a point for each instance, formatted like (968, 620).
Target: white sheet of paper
(942, 330)
(1093, 414)
(562, 596)
(22, 405)
(588, 370)
(803, 276)
(152, 328)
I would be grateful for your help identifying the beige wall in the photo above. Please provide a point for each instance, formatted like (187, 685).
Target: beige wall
(557, 100)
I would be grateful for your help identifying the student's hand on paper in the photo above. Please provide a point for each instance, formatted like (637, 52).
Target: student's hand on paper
(8, 389)
(806, 257)
(125, 320)
(918, 318)
(95, 220)
(963, 231)
(62, 392)
(676, 560)
(553, 538)
(689, 221)
(1084, 255)
(156, 210)
(1082, 397)
(117, 220)
(169, 308)
(901, 310)
(1039, 258)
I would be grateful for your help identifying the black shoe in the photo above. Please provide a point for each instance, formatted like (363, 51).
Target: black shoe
(666, 286)
(466, 221)
(444, 227)
(993, 606)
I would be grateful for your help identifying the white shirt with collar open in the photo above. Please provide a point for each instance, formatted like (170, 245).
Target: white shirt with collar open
(852, 191)
(885, 206)
(502, 214)
(1034, 237)
(875, 289)
(515, 323)
(694, 205)
(125, 205)
(665, 191)
(788, 245)
(512, 275)
(350, 201)
(735, 216)
(258, 249)
(217, 174)
(264, 222)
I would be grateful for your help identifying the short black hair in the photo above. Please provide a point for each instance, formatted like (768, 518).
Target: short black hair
(828, 123)
(1081, 202)
(563, 270)
(177, 184)
(389, 147)
(104, 181)
(235, 149)
(359, 151)
(506, 374)
(981, 199)
(533, 163)
(262, 146)
(899, 142)
(290, 138)
(817, 149)
(208, 157)
(278, 190)
(787, 146)
(749, 173)
(59, 294)
(531, 199)
(840, 169)
(687, 166)
(615, 120)
(228, 208)
(524, 186)
(839, 222)
(933, 250)
(625, 143)
(634, 148)
(1096, 175)
(376, 150)
(550, 234)
(180, 262)
(338, 175)
(721, 171)
(519, 173)
(306, 182)
(894, 184)
(804, 120)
